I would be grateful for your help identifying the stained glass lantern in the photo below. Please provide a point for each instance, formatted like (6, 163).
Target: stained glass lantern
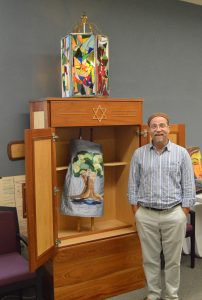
(85, 62)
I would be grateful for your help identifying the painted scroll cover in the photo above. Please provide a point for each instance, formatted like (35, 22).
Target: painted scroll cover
(83, 193)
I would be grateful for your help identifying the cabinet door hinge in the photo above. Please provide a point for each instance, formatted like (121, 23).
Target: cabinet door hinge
(142, 133)
(54, 137)
(57, 242)
(56, 190)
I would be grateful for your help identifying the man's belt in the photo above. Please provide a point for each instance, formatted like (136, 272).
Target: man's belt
(160, 209)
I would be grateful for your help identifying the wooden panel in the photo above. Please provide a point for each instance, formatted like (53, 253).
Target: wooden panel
(99, 269)
(95, 113)
(177, 134)
(43, 194)
(92, 259)
(103, 288)
(41, 230)
(173, 137)
(124, 153)
(16, 150)
(39, 114)
(105, 136)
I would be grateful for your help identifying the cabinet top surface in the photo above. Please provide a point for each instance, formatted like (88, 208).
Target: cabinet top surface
(90, 99)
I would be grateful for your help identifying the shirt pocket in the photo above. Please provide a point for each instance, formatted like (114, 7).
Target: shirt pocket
(173, 168)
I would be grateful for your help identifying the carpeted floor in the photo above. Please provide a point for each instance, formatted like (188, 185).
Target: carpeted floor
(190, 289)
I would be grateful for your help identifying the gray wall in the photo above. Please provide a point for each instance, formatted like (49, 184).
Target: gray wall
(155, 53)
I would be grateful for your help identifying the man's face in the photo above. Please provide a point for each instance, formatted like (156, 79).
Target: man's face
(159, 130)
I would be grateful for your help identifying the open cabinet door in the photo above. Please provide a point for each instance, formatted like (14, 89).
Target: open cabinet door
(176, 135)
(40, 180)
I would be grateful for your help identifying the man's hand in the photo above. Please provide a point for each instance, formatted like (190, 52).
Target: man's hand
(186, 210)
(134, 208)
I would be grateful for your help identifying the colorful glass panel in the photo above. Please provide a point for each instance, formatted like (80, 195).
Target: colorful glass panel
(83, 68)
(85, 65)
(102, 65)
(65, 66)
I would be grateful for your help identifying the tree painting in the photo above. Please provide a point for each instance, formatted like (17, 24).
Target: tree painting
(88, 165)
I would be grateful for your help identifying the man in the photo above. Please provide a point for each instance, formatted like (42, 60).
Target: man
(161, 192)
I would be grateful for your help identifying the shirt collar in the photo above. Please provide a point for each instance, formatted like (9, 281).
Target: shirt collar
(167, 147)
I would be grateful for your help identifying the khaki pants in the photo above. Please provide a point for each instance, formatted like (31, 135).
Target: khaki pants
(157, 230)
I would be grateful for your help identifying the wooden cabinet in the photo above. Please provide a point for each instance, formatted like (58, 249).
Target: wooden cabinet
(92, 262)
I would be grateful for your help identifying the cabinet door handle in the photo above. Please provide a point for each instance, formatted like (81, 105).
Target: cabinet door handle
(54, 137)
(57, 242)
(56, 190)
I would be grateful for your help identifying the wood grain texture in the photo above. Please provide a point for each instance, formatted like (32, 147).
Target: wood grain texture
(43, 194)
(41, 234)
(39, 106)
(16, 150)
(99, 269)
(100, 111)
(94, 113)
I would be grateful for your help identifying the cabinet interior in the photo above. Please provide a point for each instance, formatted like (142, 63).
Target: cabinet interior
(118, 144)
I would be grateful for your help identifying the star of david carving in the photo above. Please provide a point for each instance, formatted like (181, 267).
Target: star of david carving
(99, 113)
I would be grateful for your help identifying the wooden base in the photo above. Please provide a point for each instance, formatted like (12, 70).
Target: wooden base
(99, 269)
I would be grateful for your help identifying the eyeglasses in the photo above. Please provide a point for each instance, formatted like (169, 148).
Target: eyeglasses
(160, 125)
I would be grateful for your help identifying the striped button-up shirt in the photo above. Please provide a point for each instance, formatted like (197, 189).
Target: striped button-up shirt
(161, 180)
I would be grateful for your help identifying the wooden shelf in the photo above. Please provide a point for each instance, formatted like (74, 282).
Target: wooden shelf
(115, 164)
(110, 164)
(68, 238)
(99, 226)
